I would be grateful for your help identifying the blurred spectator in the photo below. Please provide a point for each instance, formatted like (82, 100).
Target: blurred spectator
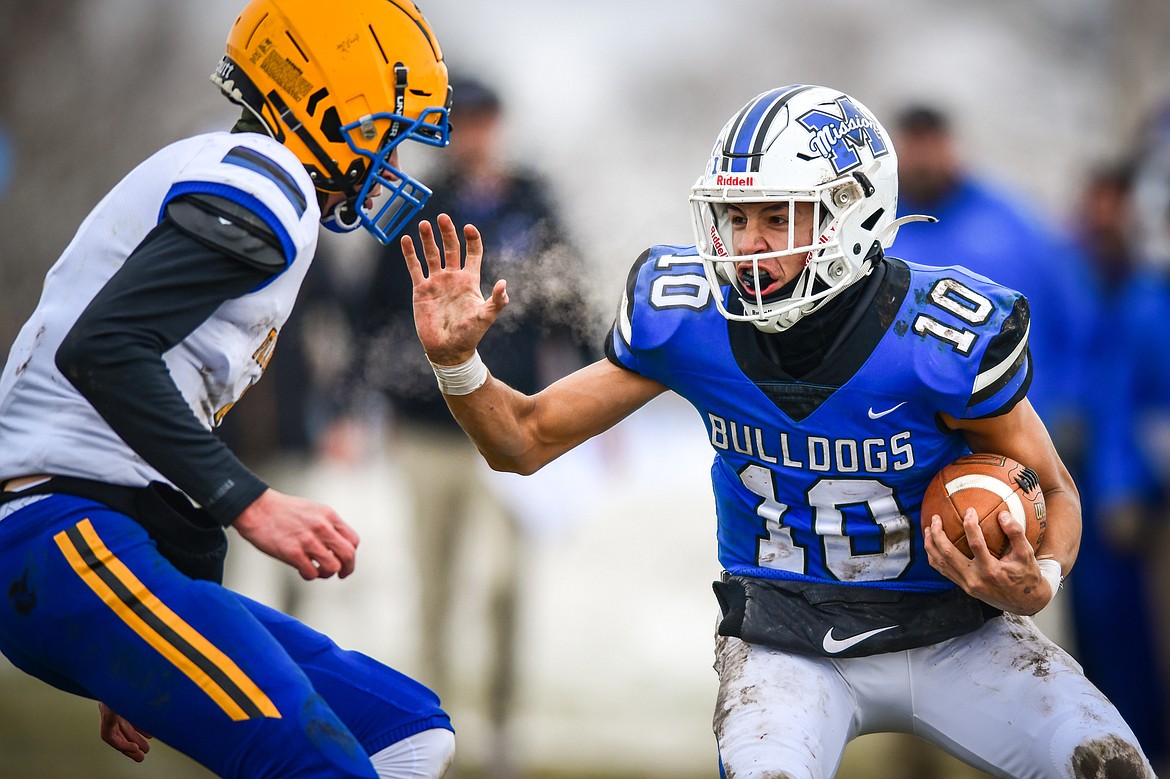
(1101, 223)
(991, 232)
(542, 336)
(1114, 630)
(1132, 458)
(283, 431)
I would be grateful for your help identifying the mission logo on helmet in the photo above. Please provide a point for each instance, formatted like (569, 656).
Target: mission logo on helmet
(991, 484)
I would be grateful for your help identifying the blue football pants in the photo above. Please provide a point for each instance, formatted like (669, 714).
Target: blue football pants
(93, 609)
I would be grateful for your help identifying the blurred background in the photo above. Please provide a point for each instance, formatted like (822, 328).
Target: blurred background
(578, 618)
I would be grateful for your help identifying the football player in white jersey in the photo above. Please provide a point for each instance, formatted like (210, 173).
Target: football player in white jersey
(158, 316)
(834, 382)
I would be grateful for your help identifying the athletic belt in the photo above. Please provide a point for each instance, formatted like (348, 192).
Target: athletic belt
(190, 538)
(832, 620)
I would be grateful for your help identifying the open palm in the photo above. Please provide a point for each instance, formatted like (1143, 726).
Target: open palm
(450, 313)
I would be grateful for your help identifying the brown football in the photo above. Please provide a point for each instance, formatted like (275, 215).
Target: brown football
(989, 483)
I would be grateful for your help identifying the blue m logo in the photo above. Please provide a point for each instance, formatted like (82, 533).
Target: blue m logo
(839, 138)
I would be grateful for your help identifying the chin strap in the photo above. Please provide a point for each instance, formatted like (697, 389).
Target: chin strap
(892, 228)
(343, 218)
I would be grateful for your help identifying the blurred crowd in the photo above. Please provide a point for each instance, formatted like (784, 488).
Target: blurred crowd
(1097, 277)
(1097, 285)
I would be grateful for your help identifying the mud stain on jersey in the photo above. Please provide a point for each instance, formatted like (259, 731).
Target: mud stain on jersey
(325, 730)
(895, 540)
(1111, 757)
(22, 597)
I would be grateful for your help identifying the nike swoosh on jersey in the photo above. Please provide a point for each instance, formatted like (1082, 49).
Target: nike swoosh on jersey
(836, 645)
(879, 414)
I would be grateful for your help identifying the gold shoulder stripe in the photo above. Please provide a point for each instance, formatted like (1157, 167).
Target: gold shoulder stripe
(200, 660)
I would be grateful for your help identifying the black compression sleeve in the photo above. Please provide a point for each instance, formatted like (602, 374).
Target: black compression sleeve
(113, 355)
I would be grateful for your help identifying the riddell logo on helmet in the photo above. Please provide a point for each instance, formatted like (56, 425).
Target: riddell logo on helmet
(734, 181)
(717, 243)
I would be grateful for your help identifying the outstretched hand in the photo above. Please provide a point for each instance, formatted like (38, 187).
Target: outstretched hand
(450, 312)
(1012, 582)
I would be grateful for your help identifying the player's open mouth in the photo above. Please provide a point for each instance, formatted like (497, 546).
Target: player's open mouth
(758, 281)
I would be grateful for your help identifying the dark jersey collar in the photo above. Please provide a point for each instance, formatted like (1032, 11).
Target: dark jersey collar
(800, 367)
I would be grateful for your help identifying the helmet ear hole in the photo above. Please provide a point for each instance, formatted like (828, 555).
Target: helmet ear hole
(872, 220)
(331, 125)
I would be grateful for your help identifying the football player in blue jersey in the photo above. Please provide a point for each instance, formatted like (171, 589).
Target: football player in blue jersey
(158, 316)
(833, 382)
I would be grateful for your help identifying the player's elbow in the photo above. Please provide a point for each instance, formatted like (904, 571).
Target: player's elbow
(78, 359)
(96, 359)
(518, 465)
(524, 460)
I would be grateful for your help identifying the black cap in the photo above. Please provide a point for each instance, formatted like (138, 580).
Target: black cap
(922, 117)
(470, 95)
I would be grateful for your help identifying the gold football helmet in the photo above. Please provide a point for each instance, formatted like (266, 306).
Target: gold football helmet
(341, 84)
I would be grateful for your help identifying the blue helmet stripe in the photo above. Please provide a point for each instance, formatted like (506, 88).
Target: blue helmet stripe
(751, 127)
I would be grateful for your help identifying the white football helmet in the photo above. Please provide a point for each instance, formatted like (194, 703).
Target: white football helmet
(799, 144)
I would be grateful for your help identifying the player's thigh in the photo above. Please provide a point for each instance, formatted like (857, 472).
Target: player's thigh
(106, 616)
(779, 714)
(1009, 701)
(377, 703)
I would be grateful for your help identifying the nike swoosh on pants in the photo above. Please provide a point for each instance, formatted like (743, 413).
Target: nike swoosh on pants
(836, 645)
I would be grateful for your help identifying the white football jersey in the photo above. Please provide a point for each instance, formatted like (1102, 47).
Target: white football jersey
(46, 426)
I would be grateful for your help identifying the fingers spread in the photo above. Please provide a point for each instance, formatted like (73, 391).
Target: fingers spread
(474, 248)
(430, 247)
(452, 251)
(412, 263)
(499, 296)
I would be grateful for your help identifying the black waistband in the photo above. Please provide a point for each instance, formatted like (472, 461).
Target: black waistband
(829, 620)
(190, 538)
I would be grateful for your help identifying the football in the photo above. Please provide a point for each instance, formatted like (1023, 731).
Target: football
(989, 483)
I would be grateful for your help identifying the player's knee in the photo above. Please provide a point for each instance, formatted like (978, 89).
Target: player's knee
(758, 773)
(425, 755)
(1109, 757)
(755, 770)
(441, 751)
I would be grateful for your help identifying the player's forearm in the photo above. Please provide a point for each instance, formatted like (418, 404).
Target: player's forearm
(521, 433)
(1062, 536)
(496, 418)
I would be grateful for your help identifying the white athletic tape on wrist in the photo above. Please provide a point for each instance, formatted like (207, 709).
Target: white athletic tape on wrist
(1050, 570)
(461, 379)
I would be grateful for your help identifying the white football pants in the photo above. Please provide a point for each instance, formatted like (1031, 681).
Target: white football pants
(1003, 699)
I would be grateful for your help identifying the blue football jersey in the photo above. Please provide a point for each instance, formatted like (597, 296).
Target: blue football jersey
(820, 478)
